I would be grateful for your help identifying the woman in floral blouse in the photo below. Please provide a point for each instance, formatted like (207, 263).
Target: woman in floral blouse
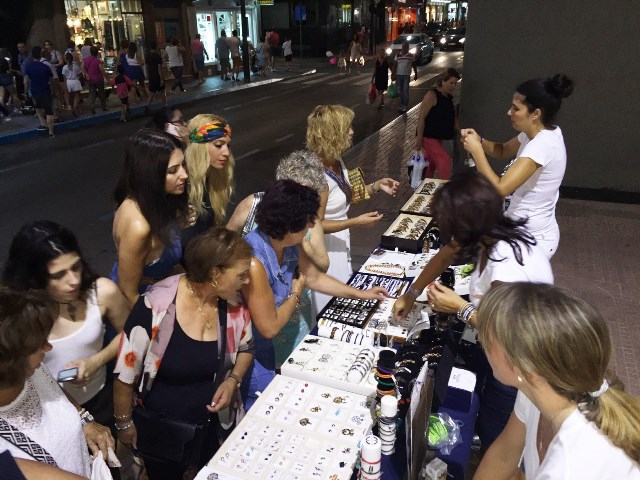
(171, 349)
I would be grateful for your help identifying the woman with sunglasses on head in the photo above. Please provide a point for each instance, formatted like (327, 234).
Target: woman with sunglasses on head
(185, 348)
(151, 208)
(210, 164)
(329, 135)
(46, 256)
(572, 417)
(539, 156)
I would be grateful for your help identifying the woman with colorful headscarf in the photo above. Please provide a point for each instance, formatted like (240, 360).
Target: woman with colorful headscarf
(210, 165)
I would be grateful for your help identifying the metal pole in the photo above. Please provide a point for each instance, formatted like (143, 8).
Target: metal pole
(246, 67)
(300, 22)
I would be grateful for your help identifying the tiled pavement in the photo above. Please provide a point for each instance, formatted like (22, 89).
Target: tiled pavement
(597, 258)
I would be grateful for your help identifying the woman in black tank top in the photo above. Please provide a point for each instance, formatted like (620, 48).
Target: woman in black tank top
(436, 122)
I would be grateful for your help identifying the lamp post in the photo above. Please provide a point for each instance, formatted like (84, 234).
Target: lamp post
(246, 66)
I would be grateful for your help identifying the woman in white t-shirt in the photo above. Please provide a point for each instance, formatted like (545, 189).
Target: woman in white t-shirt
(572, 418)
(539, 153)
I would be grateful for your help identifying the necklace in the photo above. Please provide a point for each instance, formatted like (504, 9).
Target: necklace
(72, 310)
(215, 309)
(388, 269)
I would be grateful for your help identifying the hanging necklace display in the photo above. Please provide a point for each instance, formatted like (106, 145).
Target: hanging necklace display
(388, 269)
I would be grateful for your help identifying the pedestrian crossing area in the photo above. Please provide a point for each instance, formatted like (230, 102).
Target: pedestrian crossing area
(360, 79)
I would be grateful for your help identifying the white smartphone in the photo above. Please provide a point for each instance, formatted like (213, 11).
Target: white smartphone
(68, 375)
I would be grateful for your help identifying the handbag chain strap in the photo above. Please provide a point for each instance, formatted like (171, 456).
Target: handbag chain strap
(24, 443)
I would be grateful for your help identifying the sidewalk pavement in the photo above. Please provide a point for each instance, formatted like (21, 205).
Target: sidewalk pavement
(595, 258)
(24, 126)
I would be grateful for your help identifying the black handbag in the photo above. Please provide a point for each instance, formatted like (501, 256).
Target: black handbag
(166, 439)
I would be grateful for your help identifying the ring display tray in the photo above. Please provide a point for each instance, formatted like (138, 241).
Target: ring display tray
(429, 186)
(407, 233)
(356, 312)
(418, 204)
(296, 430)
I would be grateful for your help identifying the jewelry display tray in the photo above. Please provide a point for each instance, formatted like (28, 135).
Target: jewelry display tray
(327, 362)
(424, 208)
(429, 186)
(311, 432)
(355, 312)
(391, 241)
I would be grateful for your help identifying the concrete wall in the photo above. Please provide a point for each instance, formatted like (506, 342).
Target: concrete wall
(593, 42)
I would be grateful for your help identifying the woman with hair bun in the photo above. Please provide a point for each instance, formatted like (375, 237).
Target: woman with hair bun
(539, 153)
(572, 418)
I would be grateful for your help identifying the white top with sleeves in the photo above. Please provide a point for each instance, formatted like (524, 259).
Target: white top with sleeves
(44, 414)
(536, 269)
(83, 343)
(578, 451)
(537, 197)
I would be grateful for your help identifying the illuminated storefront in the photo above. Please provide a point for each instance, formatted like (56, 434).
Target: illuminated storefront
(216, 15)
(106, 22)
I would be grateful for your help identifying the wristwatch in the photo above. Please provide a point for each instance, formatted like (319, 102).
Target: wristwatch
(85, 417)
(237, 379)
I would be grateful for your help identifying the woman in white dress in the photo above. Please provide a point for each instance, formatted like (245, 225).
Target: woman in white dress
(572, 418)
(329, 135)
(37, 421)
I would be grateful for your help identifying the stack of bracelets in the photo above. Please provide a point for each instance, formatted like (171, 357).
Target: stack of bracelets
(370, 457)
(361, 366)
(387, 423)
(466, 312)
(384, 374)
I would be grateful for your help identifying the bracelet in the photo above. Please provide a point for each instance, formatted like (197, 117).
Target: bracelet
(122, 418)
(466, 311)
(374, 189)
(123, 427)
(85, 417)
(296, 296)
(415, 293)
(237, 378)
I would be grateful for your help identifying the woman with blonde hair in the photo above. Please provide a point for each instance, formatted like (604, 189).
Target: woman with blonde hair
(210, 165)
(572, 418)
(329, 135)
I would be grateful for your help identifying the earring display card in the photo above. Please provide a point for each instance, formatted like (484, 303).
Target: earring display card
(406, 233)
(429, 186)
(296, 430)
(356, 312)
(417, 204)
(327, 362)
(383, 323)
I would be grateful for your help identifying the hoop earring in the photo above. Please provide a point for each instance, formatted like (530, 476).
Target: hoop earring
(214, 283)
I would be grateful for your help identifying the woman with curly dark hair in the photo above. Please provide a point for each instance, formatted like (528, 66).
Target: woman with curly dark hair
(468, 211)
(280, 269)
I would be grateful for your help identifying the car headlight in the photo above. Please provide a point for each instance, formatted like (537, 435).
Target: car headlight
(462, 40)
(443, 40)
(388, 50)
(413, 51)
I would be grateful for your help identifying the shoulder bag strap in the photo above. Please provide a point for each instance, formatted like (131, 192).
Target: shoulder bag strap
(24, 443)
(222, 342)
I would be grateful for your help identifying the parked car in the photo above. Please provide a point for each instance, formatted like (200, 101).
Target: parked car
(435, 30)
(420, 45)
(453, 38)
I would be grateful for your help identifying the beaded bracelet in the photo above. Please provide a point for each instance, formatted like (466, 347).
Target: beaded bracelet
(296, 296)
(122, 418)
(124, 427)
